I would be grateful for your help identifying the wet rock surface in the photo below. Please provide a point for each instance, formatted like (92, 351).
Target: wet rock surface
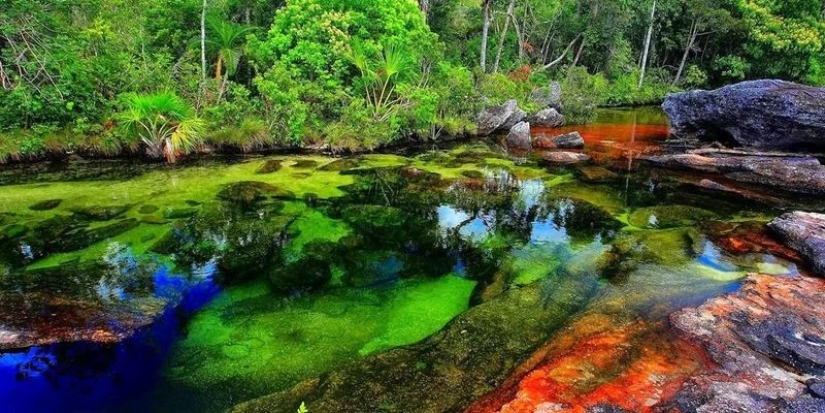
(500, 118)
(565, 158)
(764, 114)
(763, 340)
(805, 233)
(78, 303)
(799, 174)
(572, 140)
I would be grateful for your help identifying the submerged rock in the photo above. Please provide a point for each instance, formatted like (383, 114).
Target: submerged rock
(805, 233)
(500, 118)
(80, 302)
(669, 216)
(309, 270)
(251, 194)
(46, 205)
(565, 158)
(548, 118)
(572, 140)
(519, 136)
(764, 114)
(99, 212)
(597, 174)
(270, 166)
(469, 357)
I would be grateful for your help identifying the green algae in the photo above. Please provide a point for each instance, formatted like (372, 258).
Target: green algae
(258, 343)
(669, 216)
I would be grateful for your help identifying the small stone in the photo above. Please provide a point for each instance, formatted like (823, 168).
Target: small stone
(572, 140)
(148, 209)
(565, 158)
(597, 174)
(46, 205)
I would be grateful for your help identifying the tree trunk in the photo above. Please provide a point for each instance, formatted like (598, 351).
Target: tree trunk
(203, 42)
(219, 67)
(485, 6)
(518, 34)
(694, 29)
(424, 5)
(503, 34)
(647, 44)
(579, 52)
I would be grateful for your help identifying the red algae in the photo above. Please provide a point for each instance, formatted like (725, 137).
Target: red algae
(596, 361)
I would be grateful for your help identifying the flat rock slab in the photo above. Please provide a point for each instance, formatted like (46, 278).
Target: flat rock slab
(770, 318)
(799, 174)
(94, 303)
(764, 114)
(805, 233)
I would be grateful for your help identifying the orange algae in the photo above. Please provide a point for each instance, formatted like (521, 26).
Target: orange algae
(598, 361)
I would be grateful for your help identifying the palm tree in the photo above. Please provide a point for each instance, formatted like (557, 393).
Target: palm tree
(226, 40)
(166, 123)
(381, 74)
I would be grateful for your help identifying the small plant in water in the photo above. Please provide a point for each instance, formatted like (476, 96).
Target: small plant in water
(303, 408)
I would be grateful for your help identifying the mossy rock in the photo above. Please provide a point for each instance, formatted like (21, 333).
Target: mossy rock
(153, 220)
(310, 269)
(81, 238)
(420, 176)
(367, 268)
(99, 212)
(180, 213)
(46, 205)
(14, 231)
(341, 165)
(669, 216)
(249, 194)
(251, 245)
(305, 164)
(270, 166)
(51, 228)
(374, 219)
(472, 174)
(148, 209)
(597, 174)
(582, 220)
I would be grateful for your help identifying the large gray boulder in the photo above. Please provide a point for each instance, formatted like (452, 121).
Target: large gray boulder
(549, 118)
(764, 114)
(519, 136)
(500, 118)
(548, 97)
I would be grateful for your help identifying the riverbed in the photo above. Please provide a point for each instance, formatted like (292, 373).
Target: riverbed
(420, 281)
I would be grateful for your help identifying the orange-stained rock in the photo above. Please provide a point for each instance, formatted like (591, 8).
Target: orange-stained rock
(598, 361)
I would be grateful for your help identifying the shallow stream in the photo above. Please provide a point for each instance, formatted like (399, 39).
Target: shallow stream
(127, 287)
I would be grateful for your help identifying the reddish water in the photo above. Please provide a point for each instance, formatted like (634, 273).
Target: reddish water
(618, 135)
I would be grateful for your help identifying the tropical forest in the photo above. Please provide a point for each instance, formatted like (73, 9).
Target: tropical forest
(412, 206)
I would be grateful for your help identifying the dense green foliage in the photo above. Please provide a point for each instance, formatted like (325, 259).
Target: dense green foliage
(357, 74)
